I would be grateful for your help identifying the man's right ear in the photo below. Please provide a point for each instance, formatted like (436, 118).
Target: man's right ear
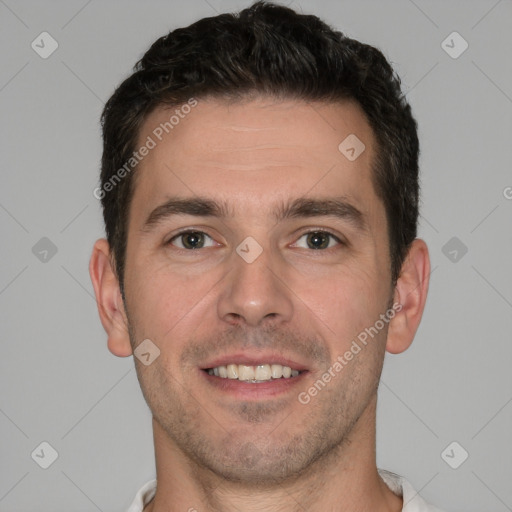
(109, 299)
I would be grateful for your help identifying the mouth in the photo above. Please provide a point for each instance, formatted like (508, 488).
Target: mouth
(254, 374)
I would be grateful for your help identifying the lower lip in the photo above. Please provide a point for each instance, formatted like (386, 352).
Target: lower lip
(255, 391)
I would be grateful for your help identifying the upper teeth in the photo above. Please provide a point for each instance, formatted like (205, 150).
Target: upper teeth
(260, 372)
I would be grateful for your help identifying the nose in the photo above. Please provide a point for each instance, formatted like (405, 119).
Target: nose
(254, 293)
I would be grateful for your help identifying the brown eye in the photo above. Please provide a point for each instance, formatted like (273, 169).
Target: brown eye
(191, 240)
(317, 240)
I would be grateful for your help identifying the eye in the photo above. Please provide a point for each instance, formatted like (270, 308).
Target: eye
(317, 240)
(192, 240)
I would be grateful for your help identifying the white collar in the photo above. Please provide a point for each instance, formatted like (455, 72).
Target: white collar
(413, 502)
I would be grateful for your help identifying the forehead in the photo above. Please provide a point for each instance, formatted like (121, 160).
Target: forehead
(254, 151)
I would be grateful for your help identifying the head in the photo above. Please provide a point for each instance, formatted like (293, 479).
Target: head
(292, 249)
(265, 50)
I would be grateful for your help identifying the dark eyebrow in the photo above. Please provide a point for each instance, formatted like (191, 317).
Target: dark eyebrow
(197, 206)
(337, 207)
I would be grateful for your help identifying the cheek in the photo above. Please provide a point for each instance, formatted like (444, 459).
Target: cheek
(346, 301)
(163, 302)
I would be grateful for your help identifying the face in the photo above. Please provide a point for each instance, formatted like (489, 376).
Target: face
(254, 247)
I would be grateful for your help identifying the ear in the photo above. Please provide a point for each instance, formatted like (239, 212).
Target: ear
(109, 299)
(411, 293)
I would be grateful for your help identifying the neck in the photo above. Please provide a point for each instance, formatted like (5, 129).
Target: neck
(344, 480)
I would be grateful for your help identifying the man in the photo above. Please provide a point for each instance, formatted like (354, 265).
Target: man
(260, 192)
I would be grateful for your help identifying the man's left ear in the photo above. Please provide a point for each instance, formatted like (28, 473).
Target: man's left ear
(411, 293)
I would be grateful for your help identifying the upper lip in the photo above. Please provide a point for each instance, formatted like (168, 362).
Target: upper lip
(254, 359)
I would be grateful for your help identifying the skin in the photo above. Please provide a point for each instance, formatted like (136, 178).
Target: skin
(223, 452)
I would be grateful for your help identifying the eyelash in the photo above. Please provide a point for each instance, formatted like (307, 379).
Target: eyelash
(323, 231)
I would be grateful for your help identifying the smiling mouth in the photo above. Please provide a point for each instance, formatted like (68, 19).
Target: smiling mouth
(253, 373)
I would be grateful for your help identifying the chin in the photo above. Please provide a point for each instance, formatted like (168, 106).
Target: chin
(260, 465)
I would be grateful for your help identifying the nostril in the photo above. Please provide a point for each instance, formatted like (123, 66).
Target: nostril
(234, 318)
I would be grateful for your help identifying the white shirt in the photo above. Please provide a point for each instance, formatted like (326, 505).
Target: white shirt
(413, 502)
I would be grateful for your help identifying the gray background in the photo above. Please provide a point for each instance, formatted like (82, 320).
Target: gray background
(59, 382)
